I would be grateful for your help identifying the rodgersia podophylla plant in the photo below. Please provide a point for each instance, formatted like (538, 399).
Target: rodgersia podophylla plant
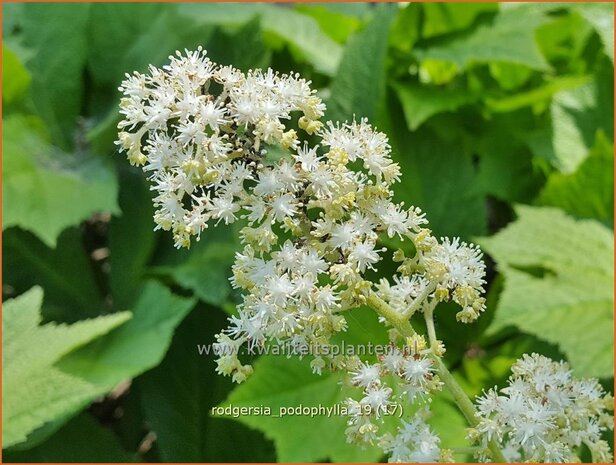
(206, 134)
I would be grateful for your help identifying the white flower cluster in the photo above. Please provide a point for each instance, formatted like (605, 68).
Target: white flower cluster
(222, 145)
(197, 127)
(415, 442)
(313, 220)
(438, 272)
(545, 415)
(401, 377)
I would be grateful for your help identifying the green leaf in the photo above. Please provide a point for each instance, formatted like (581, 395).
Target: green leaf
(35, 391)
(589, 192)
(96, 368)
(244, 49)
(128, 258)
(44, 190)
(177, 397)
(447, 421)
(205, 268)
(576, 117)
(510, 76)
(601, 17)
(335, 24)
(442, 18)
(280, 382)
(15, 77)
(207, 272)
(105, 363)
(509, 38)
(506, 168)
(144, 30)
(535, 96)
(359, 86)
(82, 439)
(405, 28)
(298, 30)
(558, 284)
(421, 102)
(439, 177)
(66, 274)
(58, 36)
(564, 39)
(491, 364)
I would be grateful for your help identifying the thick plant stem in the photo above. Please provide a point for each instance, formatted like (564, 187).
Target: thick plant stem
(403, 326)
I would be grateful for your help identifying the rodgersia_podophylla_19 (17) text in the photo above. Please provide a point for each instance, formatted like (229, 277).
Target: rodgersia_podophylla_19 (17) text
(209, 138)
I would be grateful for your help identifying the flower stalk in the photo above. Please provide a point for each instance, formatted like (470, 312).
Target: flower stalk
(462, 401)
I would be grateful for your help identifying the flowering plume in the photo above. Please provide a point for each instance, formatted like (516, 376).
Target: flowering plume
(314, 199)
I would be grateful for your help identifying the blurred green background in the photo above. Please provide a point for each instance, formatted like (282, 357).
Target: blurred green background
(501, 117)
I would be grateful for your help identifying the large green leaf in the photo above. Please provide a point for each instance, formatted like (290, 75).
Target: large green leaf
(45, 190)
(506, 168)
(280, 382)
(559, 284)
(509, 38)
(82, 439)
(244, 49)
(405, 30)
(601, 16)
(58, 35)
(134, 348)
(438, 177)
(300, 31)
(576, 116)
(358, 88)
(100, 366)
(143, 29)
(206, 267)
(336, 24)
(589, 192)
(177, 397)
(34, 390)
(66, 273)
(447, 421)
(128, 257)
(443, 18)
(207, 272)
(421, 102)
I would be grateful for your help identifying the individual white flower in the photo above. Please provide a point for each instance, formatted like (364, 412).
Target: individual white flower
(366, 375)
(393, 360)
(417, 370)
(223, 208)
(363, 256)
(280, 288)
(378, 399)
(308, 158)
(284, 206)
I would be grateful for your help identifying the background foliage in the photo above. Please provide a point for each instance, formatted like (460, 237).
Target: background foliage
(500, 115)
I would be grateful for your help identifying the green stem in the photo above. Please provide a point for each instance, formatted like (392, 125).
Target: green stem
(397, 320)
(428, 315)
